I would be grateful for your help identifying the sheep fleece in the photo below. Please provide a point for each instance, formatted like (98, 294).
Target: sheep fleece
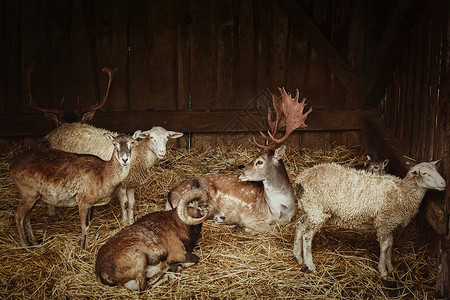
(356, 200)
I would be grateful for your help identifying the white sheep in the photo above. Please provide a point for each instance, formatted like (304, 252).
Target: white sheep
(67, 180)
(87, 139)
(355, 199)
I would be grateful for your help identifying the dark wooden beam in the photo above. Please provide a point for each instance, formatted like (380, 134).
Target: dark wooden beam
(323, 47)
(184, 121)
(391, 47)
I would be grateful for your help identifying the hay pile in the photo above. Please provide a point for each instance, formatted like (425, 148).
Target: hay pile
(233, 264)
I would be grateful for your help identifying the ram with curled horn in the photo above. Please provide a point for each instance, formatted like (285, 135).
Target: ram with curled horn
(148, 252)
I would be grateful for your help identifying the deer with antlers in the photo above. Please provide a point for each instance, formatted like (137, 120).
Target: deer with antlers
(261, 196)
(59, 116)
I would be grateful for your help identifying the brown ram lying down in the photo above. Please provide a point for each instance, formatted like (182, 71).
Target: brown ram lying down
(146, 253)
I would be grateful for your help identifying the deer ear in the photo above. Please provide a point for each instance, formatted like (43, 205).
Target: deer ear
(52, 117)
(87, 116)
(279, 152)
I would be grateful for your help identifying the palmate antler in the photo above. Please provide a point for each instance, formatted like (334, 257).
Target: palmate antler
(289, 114)
(83, 114)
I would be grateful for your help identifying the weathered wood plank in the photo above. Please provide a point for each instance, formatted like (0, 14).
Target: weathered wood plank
(183, 46)
(244, 77)
(203, 55)
(391, 47)
(10, 56)
(185, 121)
(112, 49)
(322, 46)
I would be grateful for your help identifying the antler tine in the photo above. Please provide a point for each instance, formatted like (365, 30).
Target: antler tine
(293, 114)
(289, 114)
(98, 105)
(33, 104)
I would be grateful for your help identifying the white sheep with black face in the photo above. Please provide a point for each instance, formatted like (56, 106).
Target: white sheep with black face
(355, 199)
(88, 139)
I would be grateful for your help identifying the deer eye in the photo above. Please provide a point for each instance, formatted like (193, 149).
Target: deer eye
(259, 162)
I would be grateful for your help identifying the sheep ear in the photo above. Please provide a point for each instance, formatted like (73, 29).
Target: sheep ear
(368, 157)
(174, 134)
(385, 163)
(143, 134)
(136, 134)
(435, 162)
(108, 136)
(279, 152)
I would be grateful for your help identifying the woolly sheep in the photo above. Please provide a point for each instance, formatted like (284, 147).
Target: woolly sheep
(355, 199)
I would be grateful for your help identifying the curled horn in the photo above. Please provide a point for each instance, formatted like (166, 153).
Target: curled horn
(182, 206)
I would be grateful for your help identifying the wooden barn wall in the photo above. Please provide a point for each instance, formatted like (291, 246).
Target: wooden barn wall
(416, 107)
(416, 110)
(184, 56)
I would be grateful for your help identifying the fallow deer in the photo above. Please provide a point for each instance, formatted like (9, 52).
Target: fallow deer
(261, 196)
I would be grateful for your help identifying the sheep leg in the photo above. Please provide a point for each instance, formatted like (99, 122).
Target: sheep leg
(385, 264)
(298, 244)
(123, 199)
(389, 265)
(22, 217)
(309, 229)
(131, 202)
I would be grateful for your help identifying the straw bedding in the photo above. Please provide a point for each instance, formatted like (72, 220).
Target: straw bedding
(233, 264)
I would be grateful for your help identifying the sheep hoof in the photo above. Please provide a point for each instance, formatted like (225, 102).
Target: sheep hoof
(305, 269)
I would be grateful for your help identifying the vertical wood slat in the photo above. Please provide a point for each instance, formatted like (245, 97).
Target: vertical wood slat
(152, 31)
(202, 56)
(11, 86)
(111, 32)
(418, 102)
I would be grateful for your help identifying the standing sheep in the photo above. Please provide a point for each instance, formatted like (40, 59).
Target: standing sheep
(87, 139)
(354, 199)
(156, 243)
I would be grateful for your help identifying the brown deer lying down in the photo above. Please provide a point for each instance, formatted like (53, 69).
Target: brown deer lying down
(66, 180)
(146, 253)
(262, 195)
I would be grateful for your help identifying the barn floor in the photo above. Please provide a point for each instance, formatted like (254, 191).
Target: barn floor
(233, 264)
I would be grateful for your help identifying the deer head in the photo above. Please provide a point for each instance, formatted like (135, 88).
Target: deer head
(59, 116)
(288, 114)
